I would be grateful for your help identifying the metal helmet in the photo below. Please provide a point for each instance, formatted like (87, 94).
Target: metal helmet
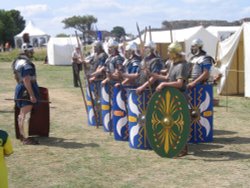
(197, 42)
(26, 47)
(175, 47)
(150, 44)
(132, 47)
(196, 46)
(113, 43)
(97, 43)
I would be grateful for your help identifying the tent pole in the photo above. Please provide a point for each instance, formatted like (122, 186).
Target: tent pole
(226, 92)
(237, 71)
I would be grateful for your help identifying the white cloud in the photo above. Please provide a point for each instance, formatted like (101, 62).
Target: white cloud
(31, 10)
(84, 6)
(246, 10)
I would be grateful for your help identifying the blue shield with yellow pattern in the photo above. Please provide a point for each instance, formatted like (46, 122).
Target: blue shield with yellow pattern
(200, 101)
(137, 105)
(96, 94)
(106, 104)
(119, 108)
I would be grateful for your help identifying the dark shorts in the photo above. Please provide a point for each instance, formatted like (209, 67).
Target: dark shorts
(20, 93)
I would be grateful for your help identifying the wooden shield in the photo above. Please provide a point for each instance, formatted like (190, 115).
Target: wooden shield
(168, 122)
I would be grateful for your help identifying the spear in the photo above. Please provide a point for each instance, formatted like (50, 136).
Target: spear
(150, 33)
(149, 84)
(141, 42)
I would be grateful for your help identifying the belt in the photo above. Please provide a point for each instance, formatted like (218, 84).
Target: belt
(32, 81)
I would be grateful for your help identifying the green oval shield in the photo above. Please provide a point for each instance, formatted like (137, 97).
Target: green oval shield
(168, 122)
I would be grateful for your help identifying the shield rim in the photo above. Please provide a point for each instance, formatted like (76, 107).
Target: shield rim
(186, 127)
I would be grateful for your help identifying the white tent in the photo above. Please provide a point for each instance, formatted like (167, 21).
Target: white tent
(37, 36)
(184, 36)
(59, 50)
(234, 57)
(222, 32)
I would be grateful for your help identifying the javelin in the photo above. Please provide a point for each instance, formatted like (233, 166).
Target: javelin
(42, 101)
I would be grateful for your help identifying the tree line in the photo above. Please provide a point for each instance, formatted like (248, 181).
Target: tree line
(85, 24)
(12, 23)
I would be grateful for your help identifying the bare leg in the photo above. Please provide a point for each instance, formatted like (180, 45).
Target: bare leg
(21, 120)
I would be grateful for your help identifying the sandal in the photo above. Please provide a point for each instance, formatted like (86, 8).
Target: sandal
(183, 152)
(29, 141)
(21, 138)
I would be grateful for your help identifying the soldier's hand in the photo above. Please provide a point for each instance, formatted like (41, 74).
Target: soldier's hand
(117, 85)
(159, 87)
(191, 85)
(33, 99)
(104, 82)
(139, 90)
(91, 79)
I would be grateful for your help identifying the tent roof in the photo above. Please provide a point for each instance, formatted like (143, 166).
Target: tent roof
(184, 35)
(179, 35)
(63, 41)
(215, 30)
(32, 30)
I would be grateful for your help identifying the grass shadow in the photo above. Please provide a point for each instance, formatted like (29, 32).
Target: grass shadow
(6, 111)
(64, 143)
(232, 140)
(223, 132)
(210, 153)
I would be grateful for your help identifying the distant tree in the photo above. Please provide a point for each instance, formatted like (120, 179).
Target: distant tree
(7, 28)
(62, 35)
(81, 23)
(18, 21)
(11, 23)
(118, 31)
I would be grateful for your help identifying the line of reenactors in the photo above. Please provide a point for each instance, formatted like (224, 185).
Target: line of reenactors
(144, 71)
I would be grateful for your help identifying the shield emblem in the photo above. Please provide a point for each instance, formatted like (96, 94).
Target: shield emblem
(168, 122)
(200, 100)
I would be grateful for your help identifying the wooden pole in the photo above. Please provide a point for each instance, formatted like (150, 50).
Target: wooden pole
(141, 42)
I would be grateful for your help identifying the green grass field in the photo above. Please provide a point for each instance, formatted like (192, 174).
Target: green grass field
(77, 155)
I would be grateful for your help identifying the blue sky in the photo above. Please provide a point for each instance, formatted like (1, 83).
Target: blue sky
(48, 14)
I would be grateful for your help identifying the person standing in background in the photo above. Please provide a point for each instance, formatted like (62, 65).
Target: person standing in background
(76, 65)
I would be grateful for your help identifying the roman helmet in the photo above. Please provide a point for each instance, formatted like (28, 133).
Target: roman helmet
(27, 49)
(150, 47)
(112, 46)
(196, 46)
(175, 50)
(130, 50)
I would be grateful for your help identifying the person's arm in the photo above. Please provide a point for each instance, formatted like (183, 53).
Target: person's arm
(148, 83)
(130, 76)
(98, 71)
(177, 84)
(124, 82)
(116, 75)
(164, 71)
(204, 76)
(105, 81)
(27, 84)
(160, 76)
